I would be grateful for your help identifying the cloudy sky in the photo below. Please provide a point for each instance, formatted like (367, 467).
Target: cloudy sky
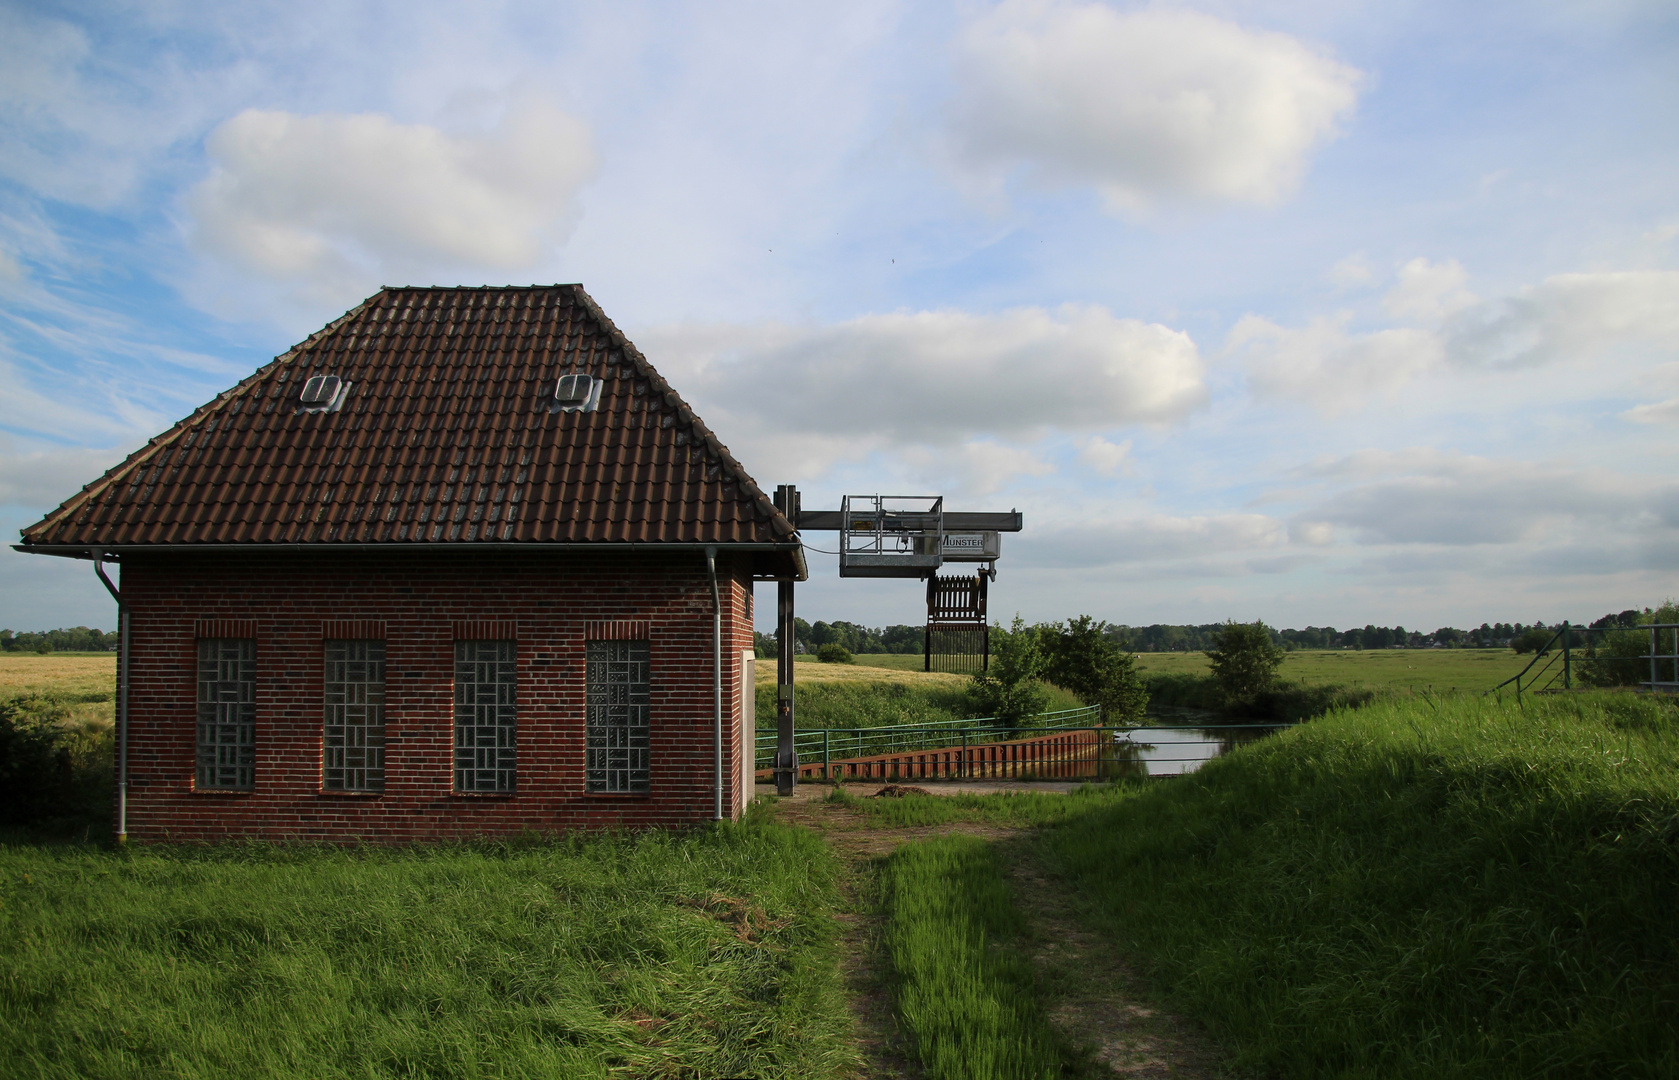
(1312, 311)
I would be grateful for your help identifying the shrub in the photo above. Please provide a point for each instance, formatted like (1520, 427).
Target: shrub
(1009, 689)
(1622, 657)
(833, 654)
(1532, 640)
(1244, 659)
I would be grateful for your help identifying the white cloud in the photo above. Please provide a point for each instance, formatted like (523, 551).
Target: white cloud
(1352, 272)
(1431, 498)
(1323, 364)
(1105, 457)
(44, 478)
(1568, 318)
(1148, 105)
(1312, 533)
(1660, 412)
(339, 202)
(805, 394)
(1428, 292)
(1155, 538)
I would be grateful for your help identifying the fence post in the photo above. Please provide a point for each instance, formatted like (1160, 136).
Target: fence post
(827, 774)
(1567, 671)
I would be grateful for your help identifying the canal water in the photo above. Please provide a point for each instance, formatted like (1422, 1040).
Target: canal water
(1180, 745)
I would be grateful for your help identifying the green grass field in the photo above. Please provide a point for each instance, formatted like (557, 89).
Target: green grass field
(1422, 887)
(1417, 669)
(707, 954)
(1411, 669)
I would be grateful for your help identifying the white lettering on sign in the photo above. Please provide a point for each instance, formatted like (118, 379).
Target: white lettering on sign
(974, 542)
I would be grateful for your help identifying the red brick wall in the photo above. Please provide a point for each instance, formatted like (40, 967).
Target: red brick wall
(422, 599)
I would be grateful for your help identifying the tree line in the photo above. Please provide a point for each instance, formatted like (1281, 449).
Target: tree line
(1523, 637)
(72, 639)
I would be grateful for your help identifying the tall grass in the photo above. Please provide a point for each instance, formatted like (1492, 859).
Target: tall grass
(964, 993)
(708, 954)
(1417, 888)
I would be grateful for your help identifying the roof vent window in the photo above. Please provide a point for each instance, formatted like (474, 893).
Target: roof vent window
(577, 393)
(323, 393)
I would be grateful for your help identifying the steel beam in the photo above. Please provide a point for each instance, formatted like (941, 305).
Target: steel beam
(829, 521)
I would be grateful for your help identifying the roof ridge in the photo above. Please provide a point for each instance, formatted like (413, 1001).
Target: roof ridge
(112, 476)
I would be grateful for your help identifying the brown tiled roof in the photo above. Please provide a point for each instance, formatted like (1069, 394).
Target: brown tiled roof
(444, 437)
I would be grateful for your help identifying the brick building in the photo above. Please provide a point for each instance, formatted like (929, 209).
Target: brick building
(460, 564)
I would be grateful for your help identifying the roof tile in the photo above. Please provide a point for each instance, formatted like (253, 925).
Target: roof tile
(444, 436)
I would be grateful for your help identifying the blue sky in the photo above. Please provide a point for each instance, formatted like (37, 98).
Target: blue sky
(1316, 312)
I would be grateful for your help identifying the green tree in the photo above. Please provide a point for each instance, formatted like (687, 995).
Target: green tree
(1244, 659)
(1081, 655)
(1622, 657)
(833, 653)
(1010, 689)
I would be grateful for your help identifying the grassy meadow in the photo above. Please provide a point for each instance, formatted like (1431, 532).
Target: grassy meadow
(1440, 670)
(702, 954)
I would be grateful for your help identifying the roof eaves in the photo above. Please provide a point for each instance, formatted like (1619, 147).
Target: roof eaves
(116, 473)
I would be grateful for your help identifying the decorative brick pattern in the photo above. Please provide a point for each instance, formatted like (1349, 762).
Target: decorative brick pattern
(617, 630)
(353, 630)
(421, 598)
(225, 628)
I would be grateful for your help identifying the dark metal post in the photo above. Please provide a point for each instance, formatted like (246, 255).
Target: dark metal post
(927, 630)
(786, 756)
(1567, 672)
(786, 636)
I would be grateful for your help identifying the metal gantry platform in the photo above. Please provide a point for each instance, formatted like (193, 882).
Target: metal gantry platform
(897, 536)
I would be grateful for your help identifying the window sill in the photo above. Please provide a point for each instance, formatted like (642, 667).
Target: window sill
(496, 795)
(636, 796)
(337, 793)
(237, 792)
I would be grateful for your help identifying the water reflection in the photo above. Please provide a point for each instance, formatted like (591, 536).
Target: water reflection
(1178, 745)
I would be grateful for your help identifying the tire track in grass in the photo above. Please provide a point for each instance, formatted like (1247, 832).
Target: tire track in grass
(1095, 1008)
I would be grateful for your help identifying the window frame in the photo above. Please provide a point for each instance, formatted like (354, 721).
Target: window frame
(370, 749)
(210, 756)
(469, 752)
(617, 750)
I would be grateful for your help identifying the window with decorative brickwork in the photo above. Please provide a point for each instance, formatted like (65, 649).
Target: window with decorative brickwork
(227, 713)
(616, 723)
(355, 716)
(486, 709)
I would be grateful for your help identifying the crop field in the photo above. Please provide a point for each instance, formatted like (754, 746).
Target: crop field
(74, 675)
(1472, 670)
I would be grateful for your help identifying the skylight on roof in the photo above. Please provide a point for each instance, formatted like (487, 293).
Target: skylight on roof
(323, 393)
(577, 393)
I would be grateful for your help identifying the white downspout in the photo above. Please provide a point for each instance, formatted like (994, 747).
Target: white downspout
(716, 673)
(122, 699)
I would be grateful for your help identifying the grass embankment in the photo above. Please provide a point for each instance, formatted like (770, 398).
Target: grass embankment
(1311, 683)
(1412, 889)
(858, 696)
(707, 954)
(965, 998)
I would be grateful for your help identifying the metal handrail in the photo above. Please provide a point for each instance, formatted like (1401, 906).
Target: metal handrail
(832, 743)
(1565, 634)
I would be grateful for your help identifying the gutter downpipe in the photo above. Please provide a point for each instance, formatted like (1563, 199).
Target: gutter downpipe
(716, 674)
(122, 699)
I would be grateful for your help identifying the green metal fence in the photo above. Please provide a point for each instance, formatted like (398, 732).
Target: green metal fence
(834, 744)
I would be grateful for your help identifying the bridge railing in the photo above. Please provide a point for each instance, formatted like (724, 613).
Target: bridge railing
(832, 744)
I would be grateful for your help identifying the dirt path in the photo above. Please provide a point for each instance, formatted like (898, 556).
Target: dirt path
(1093, 998)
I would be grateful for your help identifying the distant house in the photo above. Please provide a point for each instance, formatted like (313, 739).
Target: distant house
(460, 564)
